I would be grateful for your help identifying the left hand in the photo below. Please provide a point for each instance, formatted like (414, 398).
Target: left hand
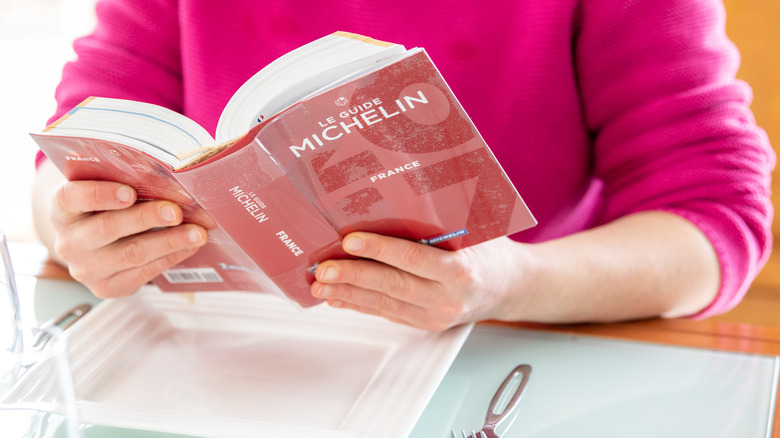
(419, 285)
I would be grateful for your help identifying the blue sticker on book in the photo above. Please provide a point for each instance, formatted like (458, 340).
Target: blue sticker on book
(444, 237)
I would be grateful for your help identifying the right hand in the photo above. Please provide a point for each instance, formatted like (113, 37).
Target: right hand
(113, 244)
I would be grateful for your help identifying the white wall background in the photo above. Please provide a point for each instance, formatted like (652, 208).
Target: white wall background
(35, 41)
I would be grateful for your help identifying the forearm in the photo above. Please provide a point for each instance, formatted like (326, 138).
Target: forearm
(47, 179)
(644, 265)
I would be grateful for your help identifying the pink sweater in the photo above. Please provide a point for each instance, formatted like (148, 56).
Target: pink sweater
(595, 109)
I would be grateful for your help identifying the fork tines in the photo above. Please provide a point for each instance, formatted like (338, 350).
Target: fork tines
(463, 434)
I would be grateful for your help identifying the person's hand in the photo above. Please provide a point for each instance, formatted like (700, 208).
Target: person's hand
(419, 285)
(113, 244)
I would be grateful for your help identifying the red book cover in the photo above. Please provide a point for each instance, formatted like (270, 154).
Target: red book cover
(390, 152)
(220, 265)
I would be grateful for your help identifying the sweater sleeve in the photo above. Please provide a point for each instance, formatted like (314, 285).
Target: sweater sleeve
(673, 130)
(133, 53)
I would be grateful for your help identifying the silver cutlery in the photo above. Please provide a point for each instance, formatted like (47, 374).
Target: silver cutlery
(63, 321)
(494, 419)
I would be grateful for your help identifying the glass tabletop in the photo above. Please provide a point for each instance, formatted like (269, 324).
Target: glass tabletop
(581, 386)
(593, 387)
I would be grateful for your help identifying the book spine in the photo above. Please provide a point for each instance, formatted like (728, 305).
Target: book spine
(253, 200)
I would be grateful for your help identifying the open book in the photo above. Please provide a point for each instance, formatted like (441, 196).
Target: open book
(345, 133)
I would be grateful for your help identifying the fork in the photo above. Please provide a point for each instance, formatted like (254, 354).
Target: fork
(493, 419)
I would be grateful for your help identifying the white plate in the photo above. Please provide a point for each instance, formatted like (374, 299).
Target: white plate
(250, 365)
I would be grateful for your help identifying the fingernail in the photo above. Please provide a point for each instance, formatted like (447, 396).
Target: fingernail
(168, 213)
(353, 244)
(323, 291)
(195, 236)
(124, 194)
(329, 274)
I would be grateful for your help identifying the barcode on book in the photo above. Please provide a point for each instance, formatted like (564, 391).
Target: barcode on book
(192, 275)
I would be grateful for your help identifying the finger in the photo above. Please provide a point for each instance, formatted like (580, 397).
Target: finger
(74, 198)
(375, 312)
(348, 296)
(138, 251)
(351, 297)
(379, 277)
(388, 291)
(102, 229)
(406, 255)
(128, 281)
(355, 296)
